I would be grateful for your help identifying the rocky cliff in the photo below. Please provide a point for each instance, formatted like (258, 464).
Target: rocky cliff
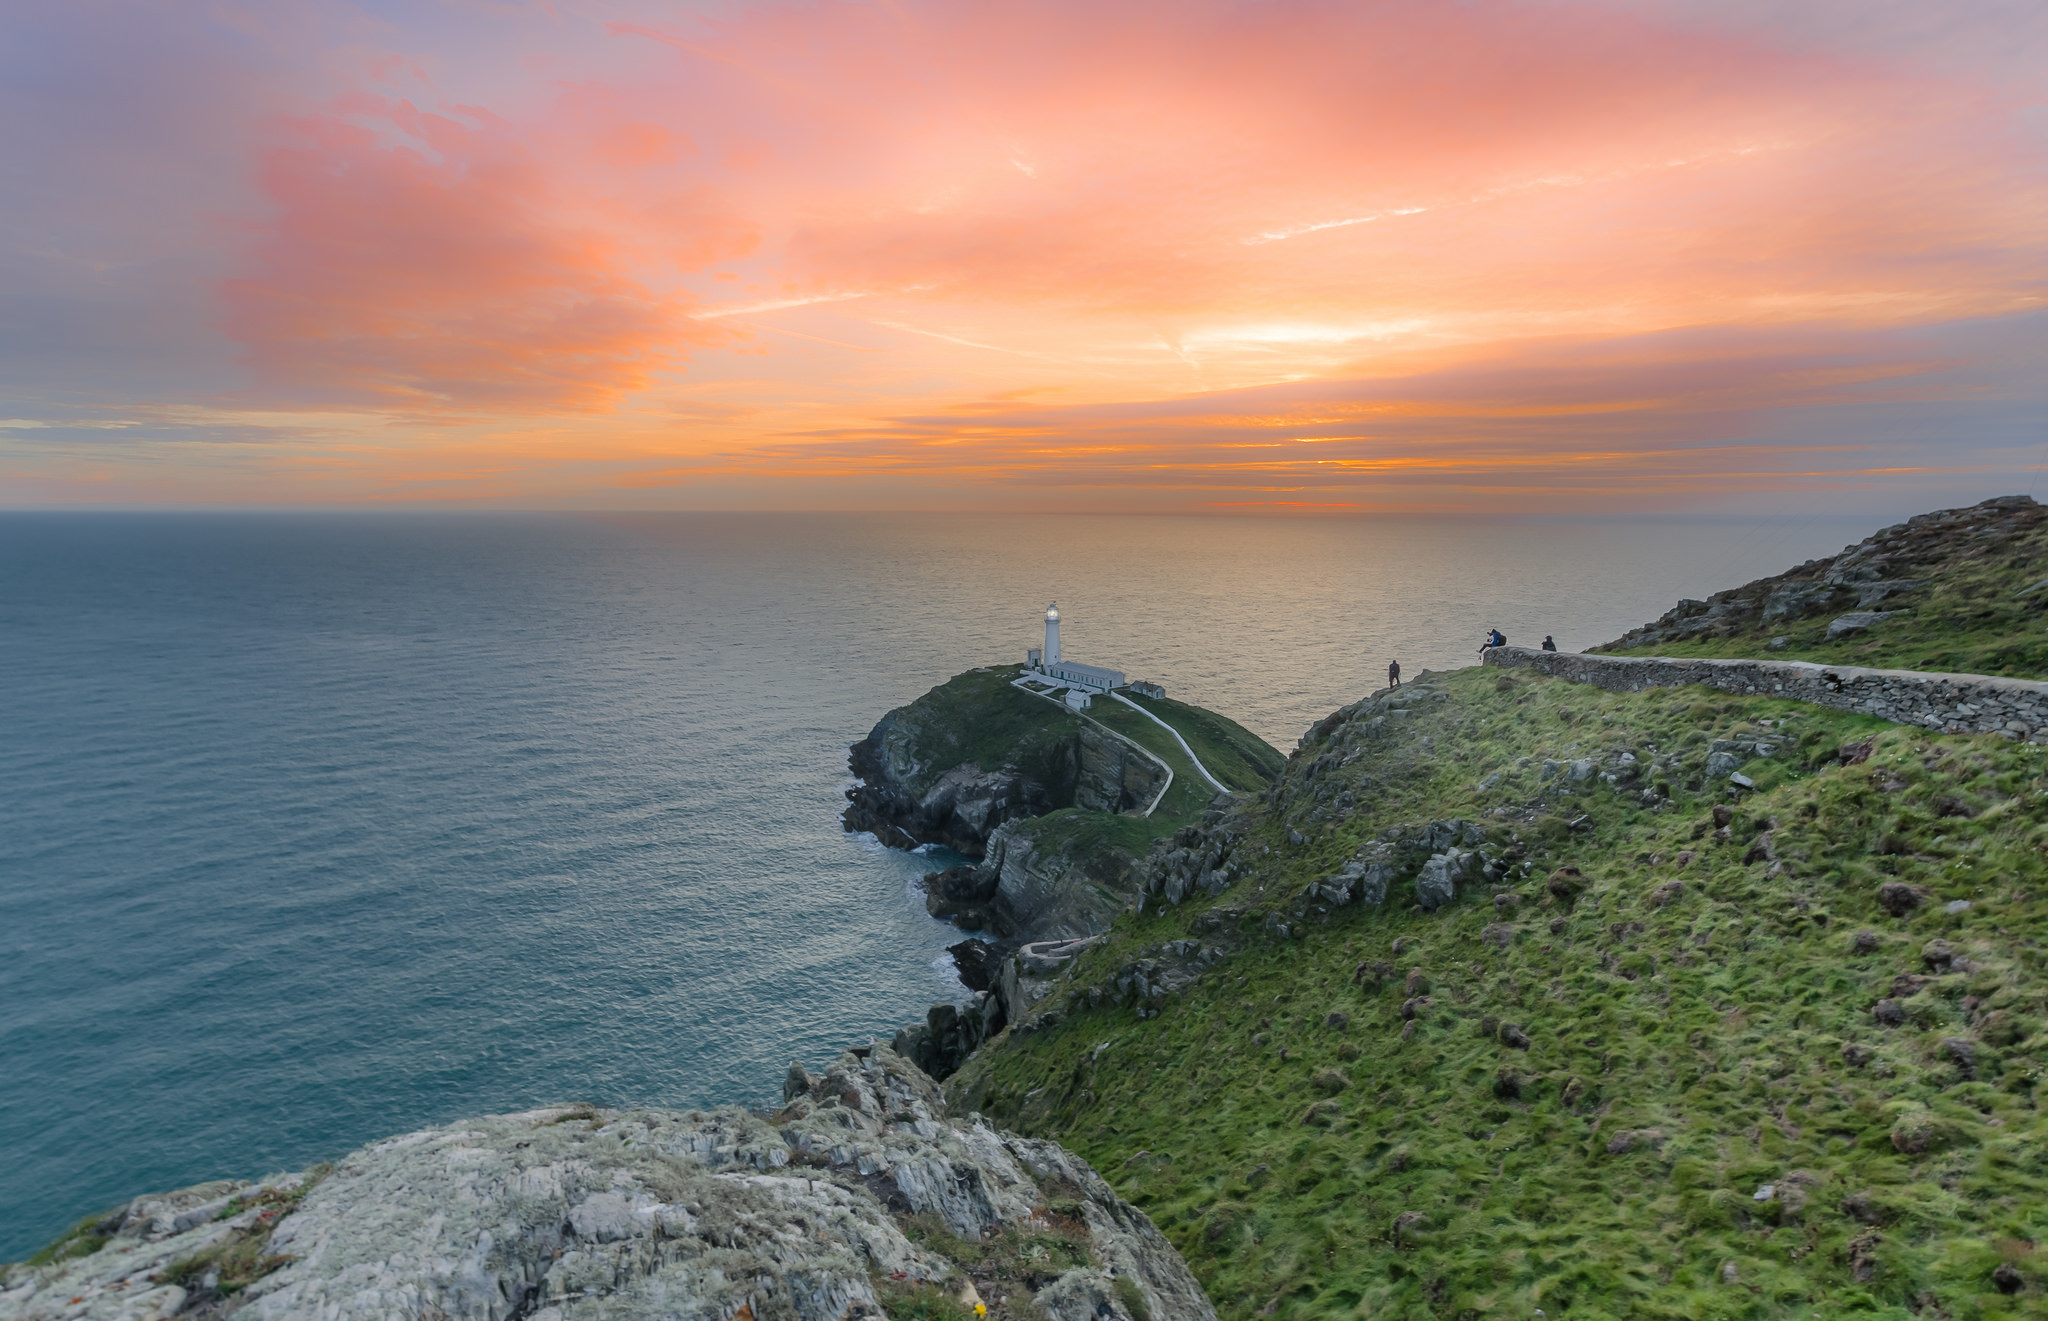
(1958, 590)
(861, 1197)
(1543, 987)
(974, 753)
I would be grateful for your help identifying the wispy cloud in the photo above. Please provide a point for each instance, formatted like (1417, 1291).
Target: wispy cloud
(543, 244)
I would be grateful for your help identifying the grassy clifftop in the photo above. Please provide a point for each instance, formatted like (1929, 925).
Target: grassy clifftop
(1673, 1054)
(1696, 1027)
(1958, 590)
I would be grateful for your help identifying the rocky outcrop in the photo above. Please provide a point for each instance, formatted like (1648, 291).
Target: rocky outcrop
(1951, 703)
(575, 1213)
(1893, 568)
(973, 755)
(958, 808)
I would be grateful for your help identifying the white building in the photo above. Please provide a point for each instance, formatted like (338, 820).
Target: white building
(1075, 675)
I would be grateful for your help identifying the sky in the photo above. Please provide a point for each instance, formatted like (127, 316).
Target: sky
(1383, 256)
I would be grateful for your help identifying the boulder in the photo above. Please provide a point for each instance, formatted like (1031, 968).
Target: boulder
(1436, 884)
(576, 1213)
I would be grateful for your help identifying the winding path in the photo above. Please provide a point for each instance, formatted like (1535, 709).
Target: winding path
(1124, 739)
(1176, 738)
(1950, 703)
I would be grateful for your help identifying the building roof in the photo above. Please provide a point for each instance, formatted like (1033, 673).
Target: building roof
(1091, 673)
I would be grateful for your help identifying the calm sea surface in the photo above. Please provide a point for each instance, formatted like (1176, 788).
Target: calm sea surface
(315, 829)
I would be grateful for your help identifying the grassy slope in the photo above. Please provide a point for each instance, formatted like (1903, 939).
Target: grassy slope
(1233, 754)
(976, 716)
(1719, 1019)
(1972, 617)
(1190, 792)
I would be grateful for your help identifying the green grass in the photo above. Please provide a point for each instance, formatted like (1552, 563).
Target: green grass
(1189, 793)
(243, 1257)
(1233, 754)
(978, 717)
(81, 1240)
(1975, 616)
(1685, 1047)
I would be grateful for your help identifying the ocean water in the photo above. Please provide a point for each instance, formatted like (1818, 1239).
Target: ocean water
(319, 828)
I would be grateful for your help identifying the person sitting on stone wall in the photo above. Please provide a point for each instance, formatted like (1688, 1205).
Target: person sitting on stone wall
(1494, 638)
(1548, 645)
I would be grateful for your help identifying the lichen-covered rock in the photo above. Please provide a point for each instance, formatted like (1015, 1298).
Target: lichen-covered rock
(1436, 884)
(574, 1213)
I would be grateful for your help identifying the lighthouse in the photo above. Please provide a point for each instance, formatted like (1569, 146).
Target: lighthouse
(1050, 668)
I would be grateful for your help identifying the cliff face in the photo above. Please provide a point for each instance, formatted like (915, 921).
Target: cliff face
(860, 1198)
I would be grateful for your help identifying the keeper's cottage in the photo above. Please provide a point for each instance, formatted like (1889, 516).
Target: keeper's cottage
(1071, 674)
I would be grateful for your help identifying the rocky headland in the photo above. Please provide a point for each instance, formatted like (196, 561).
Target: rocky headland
(1701, 984)
(1049, 807)
(1607, 985)
(1958, 590)
(860, 1197)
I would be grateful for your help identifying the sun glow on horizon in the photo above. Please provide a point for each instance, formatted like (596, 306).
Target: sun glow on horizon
(819, 254)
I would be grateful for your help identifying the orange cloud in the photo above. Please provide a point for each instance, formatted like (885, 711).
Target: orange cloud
(1166, 249)
(427, 261)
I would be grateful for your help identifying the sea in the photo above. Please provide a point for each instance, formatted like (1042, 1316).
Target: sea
(317, 828)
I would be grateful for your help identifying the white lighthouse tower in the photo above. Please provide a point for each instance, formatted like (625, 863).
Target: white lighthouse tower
(1052, 634)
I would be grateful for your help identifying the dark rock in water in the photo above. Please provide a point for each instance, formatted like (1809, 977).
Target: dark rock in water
(950, 1033)
(980, 963)
(962, 894)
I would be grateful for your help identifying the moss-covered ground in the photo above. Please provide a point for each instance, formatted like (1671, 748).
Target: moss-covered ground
(1598, 1081)
(1983, 608)
(1233, 754)
(976, 716)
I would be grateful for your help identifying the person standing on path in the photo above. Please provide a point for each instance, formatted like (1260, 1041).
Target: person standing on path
(1393, 674)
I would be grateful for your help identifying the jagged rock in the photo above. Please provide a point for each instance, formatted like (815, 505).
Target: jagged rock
(962, 893)
(1436, 884)
(980, 964)
(571, 1214)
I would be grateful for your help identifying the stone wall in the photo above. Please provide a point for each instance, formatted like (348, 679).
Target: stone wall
(1951, 703)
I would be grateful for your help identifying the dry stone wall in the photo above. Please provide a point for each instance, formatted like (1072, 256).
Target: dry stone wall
(1951, 703)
